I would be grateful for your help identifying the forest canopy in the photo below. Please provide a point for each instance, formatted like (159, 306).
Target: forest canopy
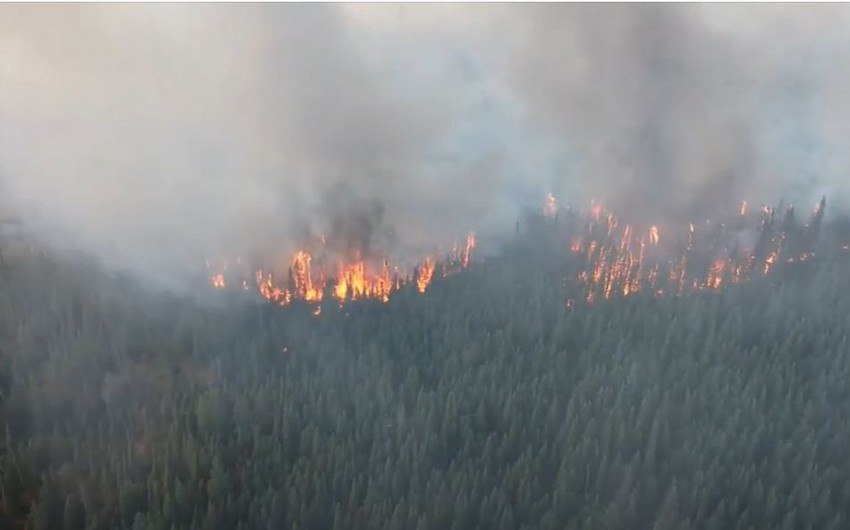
(485, 402)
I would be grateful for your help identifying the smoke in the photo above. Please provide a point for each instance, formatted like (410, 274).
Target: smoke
(158, 135)
(676, 110)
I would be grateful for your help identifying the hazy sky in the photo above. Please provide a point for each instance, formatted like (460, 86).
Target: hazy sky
(156, 135)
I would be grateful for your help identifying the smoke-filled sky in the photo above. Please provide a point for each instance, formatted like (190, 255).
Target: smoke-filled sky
(158, 135)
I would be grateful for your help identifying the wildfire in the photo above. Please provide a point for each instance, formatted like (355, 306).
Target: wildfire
(618, 263)
(653, 235)
(354, 279)
(615, 258)
(714, 280)
(303, 276)
(595, 210)
(425, 273)
(467, 250)
(354, 282)
(768, 262)
(575, 246)
(550, 209)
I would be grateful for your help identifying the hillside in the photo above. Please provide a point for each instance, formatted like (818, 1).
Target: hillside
(483, 403)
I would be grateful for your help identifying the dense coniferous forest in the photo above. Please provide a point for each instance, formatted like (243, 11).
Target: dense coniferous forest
(483, 404)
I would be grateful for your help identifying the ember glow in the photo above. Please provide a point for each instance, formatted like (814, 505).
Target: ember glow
(219, 281)
(550, 209)
(653, 235)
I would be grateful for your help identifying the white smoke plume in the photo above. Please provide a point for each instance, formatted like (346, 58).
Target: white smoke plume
(158, 135)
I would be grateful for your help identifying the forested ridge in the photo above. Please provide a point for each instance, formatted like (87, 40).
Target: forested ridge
(483, 403)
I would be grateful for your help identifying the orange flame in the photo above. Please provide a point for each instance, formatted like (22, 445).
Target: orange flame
(303, 277)
(617, 259)
(351, 280)
(575, 246)
(714, 280)
(354, 281)
(426, 272)
(467, 250)
(769, 261)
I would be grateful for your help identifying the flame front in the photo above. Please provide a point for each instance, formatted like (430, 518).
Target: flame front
(354, 282)
(352, 279)
(425, 273)
(618, 263)
(303, 275)
(615, 259)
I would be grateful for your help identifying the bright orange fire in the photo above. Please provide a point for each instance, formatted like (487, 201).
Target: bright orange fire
(354, 282)
(617, 262)
(425, 273)
(303, 276)
(616, 258)
(350, 280)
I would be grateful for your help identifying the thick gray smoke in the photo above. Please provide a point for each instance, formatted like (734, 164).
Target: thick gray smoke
(158, 135)
(681, 109)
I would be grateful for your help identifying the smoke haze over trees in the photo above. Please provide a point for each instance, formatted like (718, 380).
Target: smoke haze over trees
(549, 382)
(482, 403)
(158, 135)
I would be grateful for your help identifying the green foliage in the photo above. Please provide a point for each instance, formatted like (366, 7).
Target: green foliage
(483, 403)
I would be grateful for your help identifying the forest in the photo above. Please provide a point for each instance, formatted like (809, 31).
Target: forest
(485, 403)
